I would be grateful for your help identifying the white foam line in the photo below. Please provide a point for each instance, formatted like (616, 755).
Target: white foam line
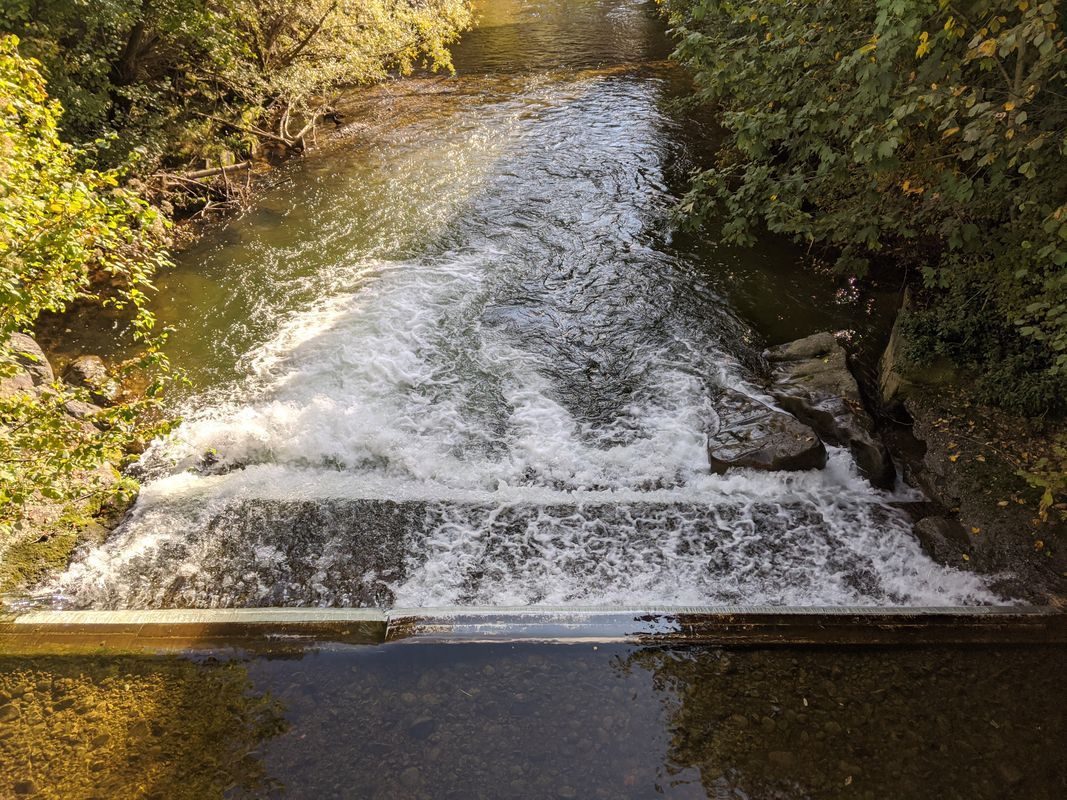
(521, 614)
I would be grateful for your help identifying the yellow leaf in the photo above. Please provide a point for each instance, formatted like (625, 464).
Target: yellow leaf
(966, 557)
(924, 45)
(976, 531)
(1008, 106)
(950, 132)
(870, 46)
(953, 458)
(987, 48)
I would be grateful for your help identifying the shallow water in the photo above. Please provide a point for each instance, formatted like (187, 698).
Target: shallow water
(535, 721)
(462, 356)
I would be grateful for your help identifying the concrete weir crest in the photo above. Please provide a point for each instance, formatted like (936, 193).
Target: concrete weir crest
(175, 630)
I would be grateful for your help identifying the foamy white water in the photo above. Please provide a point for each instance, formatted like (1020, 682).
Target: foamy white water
(504, 399)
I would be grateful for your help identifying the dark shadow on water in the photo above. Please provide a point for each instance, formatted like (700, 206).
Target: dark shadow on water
(539, 721)
(922, 723)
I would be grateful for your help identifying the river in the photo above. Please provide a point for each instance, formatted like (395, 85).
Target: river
(460, 355)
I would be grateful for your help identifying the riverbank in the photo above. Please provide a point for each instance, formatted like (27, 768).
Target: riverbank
(982, 510)
(970, 461)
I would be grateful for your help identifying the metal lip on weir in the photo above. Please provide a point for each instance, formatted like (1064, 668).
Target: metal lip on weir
(163, 630)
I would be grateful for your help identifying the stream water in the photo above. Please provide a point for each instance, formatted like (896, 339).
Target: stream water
(543, 722)
(459, 355)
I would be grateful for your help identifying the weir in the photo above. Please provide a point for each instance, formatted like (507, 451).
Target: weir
(469, 360)
(280, 629)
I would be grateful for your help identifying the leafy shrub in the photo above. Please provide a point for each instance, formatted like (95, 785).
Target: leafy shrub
(922, 132)
(1049, 474)
(61, 225)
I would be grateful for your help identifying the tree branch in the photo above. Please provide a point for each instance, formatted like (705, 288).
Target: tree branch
(287, 59)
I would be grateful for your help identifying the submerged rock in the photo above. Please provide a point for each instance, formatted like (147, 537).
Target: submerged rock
(90, 372)
(753, 435)
(813, 383)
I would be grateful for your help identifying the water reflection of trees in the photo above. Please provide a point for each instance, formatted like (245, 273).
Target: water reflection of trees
(132, 727)
(948, 723)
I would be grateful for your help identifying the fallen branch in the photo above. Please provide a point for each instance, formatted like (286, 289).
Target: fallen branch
(196, 175)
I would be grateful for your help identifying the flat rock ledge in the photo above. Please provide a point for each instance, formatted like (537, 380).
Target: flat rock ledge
(813, 382)
(754, 436)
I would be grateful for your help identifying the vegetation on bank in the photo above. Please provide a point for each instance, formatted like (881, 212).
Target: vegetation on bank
(64, 226)
(928, 137)
(96, 100)
(194, 83)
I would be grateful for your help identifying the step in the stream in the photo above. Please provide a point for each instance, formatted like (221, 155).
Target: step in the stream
(377, 553)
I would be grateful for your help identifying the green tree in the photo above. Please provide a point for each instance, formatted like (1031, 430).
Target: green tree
(919, 132)
(182, 79)
(293, 56)
(66, 231)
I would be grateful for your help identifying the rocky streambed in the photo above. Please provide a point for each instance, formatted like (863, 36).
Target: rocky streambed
(349, 551)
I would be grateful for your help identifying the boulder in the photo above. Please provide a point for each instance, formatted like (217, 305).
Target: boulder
(813, 382)
(19, 383)
(752, 435)
(89, 372)
(81, 410)
(32, 359)
(943, 539)
(32, 369)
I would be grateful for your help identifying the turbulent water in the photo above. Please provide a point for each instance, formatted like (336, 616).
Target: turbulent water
(455, 358)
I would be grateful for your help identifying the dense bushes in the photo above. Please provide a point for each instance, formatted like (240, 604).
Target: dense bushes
(170, 74)
(922, 133)
(59, 222)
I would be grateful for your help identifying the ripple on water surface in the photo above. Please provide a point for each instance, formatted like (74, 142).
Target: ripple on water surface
(459, 360)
